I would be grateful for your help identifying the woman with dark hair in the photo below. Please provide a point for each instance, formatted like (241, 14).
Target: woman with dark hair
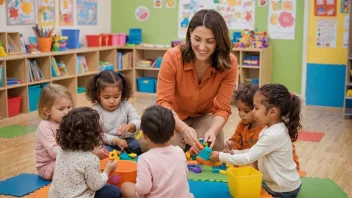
(196, 81)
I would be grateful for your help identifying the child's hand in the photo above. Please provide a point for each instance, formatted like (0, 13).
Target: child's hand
(110, 166)
(215, 156)
(123, 128)
(121, 143)
(228, 145)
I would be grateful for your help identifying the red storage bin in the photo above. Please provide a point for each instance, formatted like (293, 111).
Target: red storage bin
(14, 105)
(93, 40)
(106, 39)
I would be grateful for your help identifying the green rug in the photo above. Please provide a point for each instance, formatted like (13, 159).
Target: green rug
(207, 175)
(316, 187)
(13, 131)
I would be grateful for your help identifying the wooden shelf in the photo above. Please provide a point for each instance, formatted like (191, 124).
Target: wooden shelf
(147, 68)
(15, 67)
(63, 77)
(249, 67)
(38, 82)
(87, 73)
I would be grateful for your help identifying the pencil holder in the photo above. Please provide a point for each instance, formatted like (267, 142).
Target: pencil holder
(44, 44)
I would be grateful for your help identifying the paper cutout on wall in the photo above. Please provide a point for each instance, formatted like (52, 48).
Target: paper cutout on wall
(21, 12)
(66, 12)
(157, 3)
(282, 19)
(237, 14)
(262, 3)
(346, 22)
(345, 6)
(345, 40)
(325, 7)
(87, 12)
(326, 33)
(142, 13)
(170, 3)
(46, 12)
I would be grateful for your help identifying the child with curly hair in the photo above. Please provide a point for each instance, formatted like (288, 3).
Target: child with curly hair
(109, 91)
(77, 171)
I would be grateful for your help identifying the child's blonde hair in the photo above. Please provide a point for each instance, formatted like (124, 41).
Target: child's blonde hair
(48, 96)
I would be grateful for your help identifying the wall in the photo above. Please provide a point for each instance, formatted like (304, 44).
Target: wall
(103, 26)
(161, 28)
(326, 67)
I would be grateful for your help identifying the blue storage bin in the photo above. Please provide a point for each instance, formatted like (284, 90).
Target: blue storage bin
(135, 36)
(106, 67)
(236, 37)
(255, 81)
(146, 84)
(34, 94)
(73, 38)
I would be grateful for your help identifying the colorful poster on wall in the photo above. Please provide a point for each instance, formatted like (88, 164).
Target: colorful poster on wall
(262, 3)
(326, 33)
(142, 13)
(87, 12)
(20, 12)
(46, 12)
(157, 3)
(345, 6)
(345, 40)
(237, 14)
(170, 3)
(282, 19)
(66, 12)
(325, 7)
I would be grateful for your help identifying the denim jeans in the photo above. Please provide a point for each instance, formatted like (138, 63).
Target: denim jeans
(291, 194)
(132, 146)
(108, 191)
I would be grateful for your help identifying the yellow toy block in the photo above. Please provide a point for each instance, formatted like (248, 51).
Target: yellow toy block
(137, 136)
(188, 155)
(132, 155)
(229, 165)
(114, 155)
(222, 172)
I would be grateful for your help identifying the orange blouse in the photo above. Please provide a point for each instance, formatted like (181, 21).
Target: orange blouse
(179, 90)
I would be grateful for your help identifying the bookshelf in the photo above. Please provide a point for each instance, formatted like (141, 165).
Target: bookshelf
(15, 66)
(347, 101)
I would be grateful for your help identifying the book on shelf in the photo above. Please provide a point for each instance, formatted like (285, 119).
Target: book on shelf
(58, 68)
(33, 71)
(2, 75)
(81, 65)
(124, 60)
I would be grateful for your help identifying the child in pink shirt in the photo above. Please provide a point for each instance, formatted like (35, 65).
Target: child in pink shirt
(54, 103)
(162, 162)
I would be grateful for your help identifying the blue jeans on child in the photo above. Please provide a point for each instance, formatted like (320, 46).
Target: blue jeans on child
(108, 191)
(132, 146)
(291, 194)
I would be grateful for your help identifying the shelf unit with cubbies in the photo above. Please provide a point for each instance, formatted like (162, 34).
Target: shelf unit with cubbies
(11, 42)
(15, 66)
(254, 65)
(347, 101)
(145, 53)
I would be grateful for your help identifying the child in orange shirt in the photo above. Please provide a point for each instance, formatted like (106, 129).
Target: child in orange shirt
(247, 131)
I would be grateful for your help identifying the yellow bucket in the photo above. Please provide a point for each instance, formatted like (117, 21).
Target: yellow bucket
(244, 182)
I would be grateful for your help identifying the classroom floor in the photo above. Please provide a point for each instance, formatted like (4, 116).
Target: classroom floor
(329, 158)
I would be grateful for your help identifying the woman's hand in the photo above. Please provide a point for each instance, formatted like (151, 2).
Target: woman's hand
(210, 137)
(190, 137)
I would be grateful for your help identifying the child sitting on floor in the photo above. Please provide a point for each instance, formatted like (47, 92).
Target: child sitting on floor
(109, 91)
(162, 162)
(247, 131)
(279, 110)
(77, 170)
(54, 103)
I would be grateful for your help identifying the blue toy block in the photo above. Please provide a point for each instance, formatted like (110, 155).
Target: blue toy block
(221, 167)
(125, 156)
(215, 170)
(22, 184)
(205, 153)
